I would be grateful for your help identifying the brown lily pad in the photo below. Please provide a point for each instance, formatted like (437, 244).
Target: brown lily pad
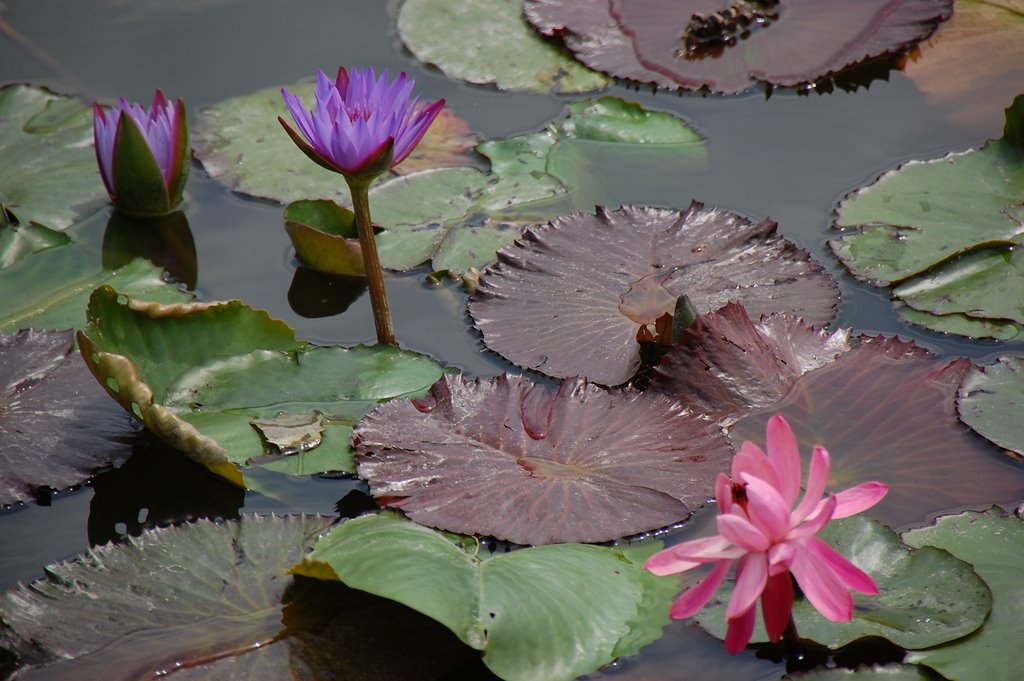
(787, 43)
(57, 427)
(568, 299)
(511, 459)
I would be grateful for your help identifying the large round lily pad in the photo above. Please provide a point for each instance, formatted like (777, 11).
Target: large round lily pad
(548, 612)
(489, 42)
(926, 596)
(56, 426)
(570, 297)
(212, 601)
(990, 401)
(49, 174)
(793, 42)
(229, 386)
(991, 542)
(508, 458)
(886, 411)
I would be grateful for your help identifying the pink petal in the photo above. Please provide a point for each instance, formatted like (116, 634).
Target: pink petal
(723, 493)
(784, 456)
(847, 572)
(777, 604)
(751, 459)
(741, 532)
(860, 498)
(816, 522)
(690, 554)
(821, 587)
(694, 598)
(766, 507)
(817, 479)
(740, 629)
(751, 577)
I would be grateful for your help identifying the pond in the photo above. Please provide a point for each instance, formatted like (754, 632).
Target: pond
(789, 154)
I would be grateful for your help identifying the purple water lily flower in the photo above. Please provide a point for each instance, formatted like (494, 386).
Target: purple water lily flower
(143, 154)
(362, 125)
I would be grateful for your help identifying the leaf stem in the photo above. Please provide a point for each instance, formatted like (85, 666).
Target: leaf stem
(371, 262)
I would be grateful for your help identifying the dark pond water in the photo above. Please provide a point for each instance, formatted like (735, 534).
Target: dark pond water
(790, 156)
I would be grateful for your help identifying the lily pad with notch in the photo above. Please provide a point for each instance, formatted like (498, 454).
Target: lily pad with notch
(531, 611)
(701, 44)
(512, 459)
(990, 399)
(568, 299)
(211, 379)
(211, 601)
(56, 427)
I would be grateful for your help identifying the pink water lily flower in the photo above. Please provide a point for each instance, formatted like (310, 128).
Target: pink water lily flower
(362, 125)
(771, 542)
(143, 154)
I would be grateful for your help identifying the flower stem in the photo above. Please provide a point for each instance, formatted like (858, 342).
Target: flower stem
(371, 262)
(791, 642)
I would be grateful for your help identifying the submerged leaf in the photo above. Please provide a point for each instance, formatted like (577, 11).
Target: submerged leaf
(548, 612)
(797, 41)
(199, 374)
(489, 42)
(991, 542)
(569, 297)
(926, 596)
(211, 601)
(508, 458)
(886, 411)
(56, 427)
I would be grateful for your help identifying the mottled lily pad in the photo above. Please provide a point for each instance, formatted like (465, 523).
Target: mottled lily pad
(206, 377)
(886, 411)
(489, 42)
(49, 174)
(533, 612)
(800, 41)
(972, 63)
(508, 458)
(569, 298)
(725, 366)
(241, 144)
(991, 399)
(926, 596)
(56, 427)
(991, 542)
(946, 231)
(212, 601)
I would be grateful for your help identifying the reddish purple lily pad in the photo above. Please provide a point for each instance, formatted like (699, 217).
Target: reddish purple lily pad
(886, 411)
(57, 426)
(796, 41)
(725, 366)
(569, 298)
(512, 459)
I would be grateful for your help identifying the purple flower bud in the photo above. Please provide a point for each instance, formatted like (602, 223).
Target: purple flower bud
(143, 154)
(362, 125)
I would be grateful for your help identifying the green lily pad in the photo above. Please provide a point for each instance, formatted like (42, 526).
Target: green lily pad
(549, 612)
(888, 672)
(992, 542)
(49, 174)
(490, 42)
(458, 218)
(54, 286)
(211, 601)
(19, 241)
(961, 324)
(990, 402)
(598, 143)
(987, 283)
(926, 596)
(207, 377)
(241, 144)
